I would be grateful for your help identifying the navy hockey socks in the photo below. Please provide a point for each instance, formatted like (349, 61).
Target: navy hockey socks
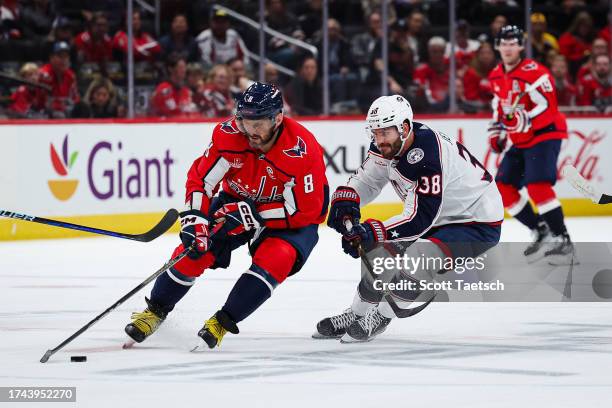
(527, 217)
(251, 290)
(168, 290)
(555, 221)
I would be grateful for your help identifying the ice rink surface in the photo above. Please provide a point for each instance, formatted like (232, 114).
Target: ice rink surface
(452, 354)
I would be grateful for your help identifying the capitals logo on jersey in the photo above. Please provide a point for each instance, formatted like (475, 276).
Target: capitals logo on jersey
(299, 150)
(229, 128)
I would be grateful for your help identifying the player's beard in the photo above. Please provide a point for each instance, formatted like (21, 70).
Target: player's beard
(390, 150)
(258, 142)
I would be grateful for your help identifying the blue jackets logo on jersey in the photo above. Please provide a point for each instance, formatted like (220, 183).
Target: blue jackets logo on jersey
(415, 155)
(299, 150)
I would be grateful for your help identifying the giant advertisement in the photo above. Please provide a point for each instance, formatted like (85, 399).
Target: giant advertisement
(112, 170)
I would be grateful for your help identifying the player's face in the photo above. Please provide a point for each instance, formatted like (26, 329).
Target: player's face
(260, 131)
(510, 51)
(388, 141)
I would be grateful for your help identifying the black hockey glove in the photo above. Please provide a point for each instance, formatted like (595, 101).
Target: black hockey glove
(344, 206)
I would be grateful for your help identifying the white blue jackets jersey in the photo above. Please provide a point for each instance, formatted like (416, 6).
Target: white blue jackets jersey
(438, 180)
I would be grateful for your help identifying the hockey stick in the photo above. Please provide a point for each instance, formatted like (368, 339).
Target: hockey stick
(162, 226)
(96, 319)
(538, 82)
(584, 186)
(399, 312)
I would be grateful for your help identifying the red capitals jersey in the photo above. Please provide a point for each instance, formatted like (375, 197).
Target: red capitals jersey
(168, 101)
(23, 99)
(91, 51)
(145, 46)
(541, 103)
(287, 184)
(64, 92)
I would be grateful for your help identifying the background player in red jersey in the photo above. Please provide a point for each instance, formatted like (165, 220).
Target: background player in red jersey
(262, 181)
(535, 127)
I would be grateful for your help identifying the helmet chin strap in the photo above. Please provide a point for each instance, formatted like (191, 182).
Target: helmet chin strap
(402, 138)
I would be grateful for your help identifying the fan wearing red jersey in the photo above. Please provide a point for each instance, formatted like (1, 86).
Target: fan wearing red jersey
(525, 113)
(261, 181)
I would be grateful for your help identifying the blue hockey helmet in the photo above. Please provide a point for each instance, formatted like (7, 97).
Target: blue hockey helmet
(259, 101)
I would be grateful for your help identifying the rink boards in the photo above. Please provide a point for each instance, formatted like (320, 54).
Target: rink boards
(124, 175)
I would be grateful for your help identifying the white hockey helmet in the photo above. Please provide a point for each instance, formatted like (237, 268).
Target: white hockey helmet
(388, 111)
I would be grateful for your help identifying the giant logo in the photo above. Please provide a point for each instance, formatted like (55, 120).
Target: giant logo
(63, 188)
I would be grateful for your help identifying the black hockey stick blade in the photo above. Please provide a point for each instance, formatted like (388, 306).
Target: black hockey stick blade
(162, 226)
(118, 303)
(402, 313)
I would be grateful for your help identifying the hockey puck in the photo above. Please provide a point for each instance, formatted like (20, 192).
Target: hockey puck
(78, 359)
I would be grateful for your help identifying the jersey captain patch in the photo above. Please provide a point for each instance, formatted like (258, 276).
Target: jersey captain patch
(299, 150)
(415, 155)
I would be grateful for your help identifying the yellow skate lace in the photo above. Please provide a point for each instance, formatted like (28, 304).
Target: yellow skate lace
(146, 321)
(215, 328)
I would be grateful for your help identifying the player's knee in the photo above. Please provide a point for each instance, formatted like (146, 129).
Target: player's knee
(510, 194)
(192, 267)
(277, 257)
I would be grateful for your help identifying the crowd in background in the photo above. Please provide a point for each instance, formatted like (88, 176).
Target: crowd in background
(67, 58)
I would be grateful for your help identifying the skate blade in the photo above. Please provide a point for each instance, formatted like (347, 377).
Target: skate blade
(128, 343)
(319, 336)
(201, 347)
(346, 339)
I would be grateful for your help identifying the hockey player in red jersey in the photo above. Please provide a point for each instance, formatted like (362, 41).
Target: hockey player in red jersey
(260, 181)
(534, 127)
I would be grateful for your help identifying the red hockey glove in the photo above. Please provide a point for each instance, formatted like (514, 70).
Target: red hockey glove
(237, 218)
(497, 138)
(194, 228)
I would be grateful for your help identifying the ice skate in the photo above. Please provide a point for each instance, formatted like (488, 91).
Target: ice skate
(366, 328)
(561, 251)
(214, 330)
(145, 323)
(334, 327)
(537, 249)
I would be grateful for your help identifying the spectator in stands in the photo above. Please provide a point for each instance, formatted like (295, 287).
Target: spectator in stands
(179, 41)
(541, 40)
(61, 79)
(371, 6)
(604, 34)
(305, 92)
(342, 77)
(575, 43)
(279, 19)
(595, 88)
(477, 90)
(309, 17)
(417, 36)
(496, 24)
(362, 45)
(146, 48)
(599, 47)
(9, 24)
(196, 79)
(218, 101)
(36, 18)
(465, 47)
(95, 45)
(271, 74)
(220, 43)
(566, 90)
(240, 77)
(24, 97)
(100, 101)
(172, 97)
(432, 76)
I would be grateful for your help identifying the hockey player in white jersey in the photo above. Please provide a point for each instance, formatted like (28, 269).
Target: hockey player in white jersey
(448, 197)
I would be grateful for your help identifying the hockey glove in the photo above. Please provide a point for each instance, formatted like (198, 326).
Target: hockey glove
(497, 139)
(344, 206)
(368, 234)
(238, 217)
(519, 122)
(194, 228)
